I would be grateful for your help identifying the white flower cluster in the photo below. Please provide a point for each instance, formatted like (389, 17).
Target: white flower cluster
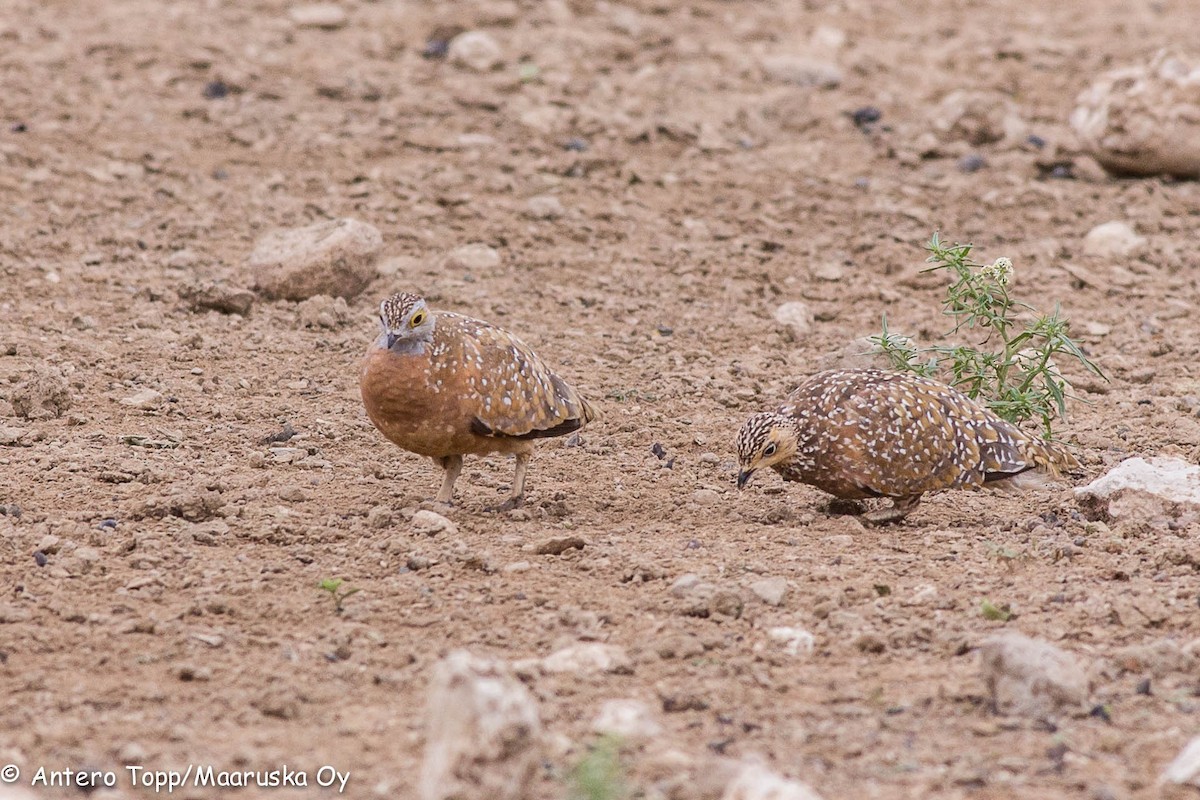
(1000, 271)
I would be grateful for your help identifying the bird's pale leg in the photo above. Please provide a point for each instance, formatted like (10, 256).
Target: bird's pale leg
(517, 499)
(453, 466)
(901, 508)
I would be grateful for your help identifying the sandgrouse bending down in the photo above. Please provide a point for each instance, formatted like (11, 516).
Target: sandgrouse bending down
(444, 385)
(861, 433)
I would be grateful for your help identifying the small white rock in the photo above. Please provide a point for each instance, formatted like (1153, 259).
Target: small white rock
(754, 781)
(770, 590)
(706, 497)
(475, 50)
(1185, 768)
(475, 257)
(801, 71)
(795, 641)
(544, 206)
(796, 315)
(431, 523)
(1114, 239)
(145, 400)
(1031, 677)
(588, 658)
(684, 584)
(631, 720)
(328, 16)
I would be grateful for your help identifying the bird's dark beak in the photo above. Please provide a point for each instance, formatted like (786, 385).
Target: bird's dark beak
(744, 477)
(391, 339)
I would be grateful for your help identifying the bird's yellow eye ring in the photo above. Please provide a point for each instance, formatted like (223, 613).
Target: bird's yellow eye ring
(417, 319)
(769, 450)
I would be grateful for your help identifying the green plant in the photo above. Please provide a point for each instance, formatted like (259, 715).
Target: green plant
(334, 587)
(599, 775)
(1013, 369)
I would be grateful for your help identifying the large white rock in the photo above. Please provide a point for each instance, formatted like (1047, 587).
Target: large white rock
(796, 315)
(336, 258)
(1143, 488)
(1114, 239)
(1144, 119)
(483, 734)
(1031, 677)
(754, 781)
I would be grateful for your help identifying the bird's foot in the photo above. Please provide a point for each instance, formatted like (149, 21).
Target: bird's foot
(901, 508)
(883, 516)
(511, 504)
(840, 507)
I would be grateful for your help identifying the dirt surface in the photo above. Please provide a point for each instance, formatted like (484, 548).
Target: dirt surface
(175, 618)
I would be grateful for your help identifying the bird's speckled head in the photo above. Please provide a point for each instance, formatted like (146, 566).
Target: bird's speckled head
(406, 321)
(765, 440)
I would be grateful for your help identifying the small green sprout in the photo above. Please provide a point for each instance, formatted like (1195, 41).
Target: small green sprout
(599, 775)
(1001, 613)
(334, 586)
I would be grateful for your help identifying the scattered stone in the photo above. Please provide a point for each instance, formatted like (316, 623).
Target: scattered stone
(797, 316)
(544, 206)
(182, 259)
(726, 604)
(684, 584)
(194, 506)
(706, 497)
(770, 590)
(46, 394)
(1159, 658)
(327, 16)
(801, 71)
(379, 517)
(971, 162)
(475, 50)
(1141, 120)
(475, 257)
(558, 546)
(830, 271)
(978, 118)
(754, 781)
(679, 645)
(483, 732)
(588, 658)
(1031, 677)
(335, 258)
(675, 702)
(795, 641)
(1143, 489)
(145, 400)
(1113, 240)
(323, 311)
(631, 720)
(217, 296)
(431, 523)
(1185, 768)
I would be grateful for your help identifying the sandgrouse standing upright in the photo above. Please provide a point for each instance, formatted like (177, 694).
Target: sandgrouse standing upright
(443, 385)
(871, 433)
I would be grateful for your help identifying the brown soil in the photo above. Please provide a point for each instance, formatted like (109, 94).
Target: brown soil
(190, 629)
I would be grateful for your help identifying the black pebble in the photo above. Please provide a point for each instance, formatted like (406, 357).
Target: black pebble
(972, 162)
(1036, 141)
(19, 127)
(865, 117)
(658, 450)
(215, 90)
(1143, 687)
(40, 558)
(575, 145)
(108, 523)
